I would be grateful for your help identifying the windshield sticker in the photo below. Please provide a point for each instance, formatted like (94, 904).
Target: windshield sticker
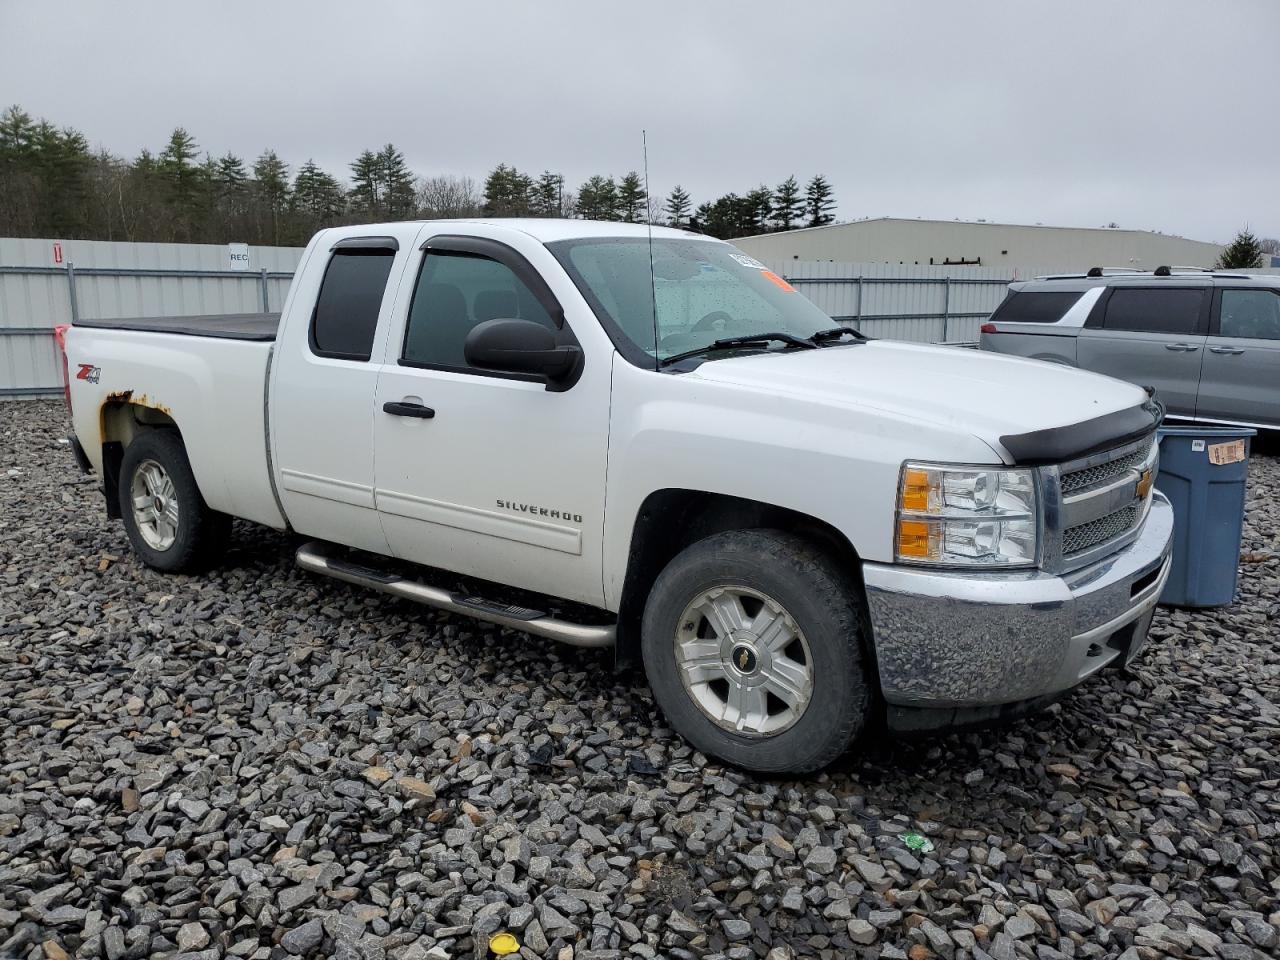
(778, 281)
(746, 261)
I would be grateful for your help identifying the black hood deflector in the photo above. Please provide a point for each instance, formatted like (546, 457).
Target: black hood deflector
(1076, 440)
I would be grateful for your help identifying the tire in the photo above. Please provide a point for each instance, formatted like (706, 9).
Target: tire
(190, 536)
(777, 571)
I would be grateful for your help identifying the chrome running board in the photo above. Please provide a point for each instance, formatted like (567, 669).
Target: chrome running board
(318, 557)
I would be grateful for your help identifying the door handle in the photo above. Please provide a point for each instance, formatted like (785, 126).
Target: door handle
(1231, 351)
(1179, 347)
(399, 408)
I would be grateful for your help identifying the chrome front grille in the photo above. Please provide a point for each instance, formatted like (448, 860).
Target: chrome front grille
(1096, 504)
(1114, 525)
(1103, 473)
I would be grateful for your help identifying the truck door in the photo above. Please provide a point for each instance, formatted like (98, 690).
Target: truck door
(486, 474)
(322, 391)
(1151, 336)
(1241, 377)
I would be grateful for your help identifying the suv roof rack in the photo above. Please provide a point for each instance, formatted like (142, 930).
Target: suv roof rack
(1168, 271)
(1161, 271)
(1176, 271)
(1092, 272)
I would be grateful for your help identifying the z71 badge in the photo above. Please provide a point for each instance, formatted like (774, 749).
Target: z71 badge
(88, 372)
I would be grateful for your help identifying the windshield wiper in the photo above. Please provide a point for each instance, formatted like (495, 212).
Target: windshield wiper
(746, 340)
(835, 333)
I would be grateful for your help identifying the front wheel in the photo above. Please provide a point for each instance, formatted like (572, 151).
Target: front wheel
(169, 525)
(751, 645)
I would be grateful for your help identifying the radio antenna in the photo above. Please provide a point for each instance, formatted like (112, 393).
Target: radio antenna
(648, 220)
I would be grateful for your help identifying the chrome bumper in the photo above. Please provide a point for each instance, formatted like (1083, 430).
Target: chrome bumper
(945, 639)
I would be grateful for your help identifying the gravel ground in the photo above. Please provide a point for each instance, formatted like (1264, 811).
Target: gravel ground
(260, 763)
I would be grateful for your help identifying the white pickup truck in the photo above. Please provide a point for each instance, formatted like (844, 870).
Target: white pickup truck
(796, 529)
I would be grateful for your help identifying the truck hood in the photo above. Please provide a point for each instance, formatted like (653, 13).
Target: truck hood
(982, 394)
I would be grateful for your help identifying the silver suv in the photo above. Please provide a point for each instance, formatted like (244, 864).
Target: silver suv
(1208, 342)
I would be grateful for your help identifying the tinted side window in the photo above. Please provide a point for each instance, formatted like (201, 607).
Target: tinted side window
(1146, 310)
(455, 292)
(1034, 306)
(347, 308)
(1254, 314)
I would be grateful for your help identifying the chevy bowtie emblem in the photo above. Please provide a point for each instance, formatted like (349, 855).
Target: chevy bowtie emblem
(744, 658)
(1144, 484)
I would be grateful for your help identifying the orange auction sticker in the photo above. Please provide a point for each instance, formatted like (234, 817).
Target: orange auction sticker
(777, 280)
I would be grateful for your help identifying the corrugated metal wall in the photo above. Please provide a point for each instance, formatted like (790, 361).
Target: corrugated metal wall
(922, 304)
(35, 293)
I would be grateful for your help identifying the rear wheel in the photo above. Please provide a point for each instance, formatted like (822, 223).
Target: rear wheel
(169, 525)
(751, 645)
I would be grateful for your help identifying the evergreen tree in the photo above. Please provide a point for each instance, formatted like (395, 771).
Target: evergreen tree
(1242, 253)
(317, 194)
(507, 192)
(727, 217)
(598, 199)
(757, 209)
(271, 179)
(548, 195)
(631, 198)
(366, 184)
(209, 173)
(186, 181)
(397, 184)
(788, 205)
(677, 207)
(61, 162)
(231, 173)
(819, 202)
(17, 130)
(20, 201)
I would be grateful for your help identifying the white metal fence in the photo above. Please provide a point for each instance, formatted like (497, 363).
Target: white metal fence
(47, 282)
(921, 304)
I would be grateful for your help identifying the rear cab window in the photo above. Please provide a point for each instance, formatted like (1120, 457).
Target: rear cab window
(1036, 306)
(350, 298)
(1172, 310)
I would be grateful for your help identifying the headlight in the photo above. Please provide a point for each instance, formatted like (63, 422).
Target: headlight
(966, 516)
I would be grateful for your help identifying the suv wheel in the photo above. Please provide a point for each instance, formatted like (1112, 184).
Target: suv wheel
(751, 645)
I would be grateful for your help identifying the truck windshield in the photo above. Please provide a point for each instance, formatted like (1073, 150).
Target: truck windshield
(704, 291)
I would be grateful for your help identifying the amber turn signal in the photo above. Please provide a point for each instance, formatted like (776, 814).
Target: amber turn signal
(914, 539)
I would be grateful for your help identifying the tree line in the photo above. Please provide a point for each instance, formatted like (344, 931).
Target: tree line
(53, 184)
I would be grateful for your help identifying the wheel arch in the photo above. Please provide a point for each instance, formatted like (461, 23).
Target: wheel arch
(671, 519)
(120, 421)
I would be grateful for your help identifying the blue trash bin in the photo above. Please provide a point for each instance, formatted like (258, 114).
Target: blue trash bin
(1208, 512)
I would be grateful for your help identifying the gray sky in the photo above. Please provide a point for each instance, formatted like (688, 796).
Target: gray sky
(1157, 115)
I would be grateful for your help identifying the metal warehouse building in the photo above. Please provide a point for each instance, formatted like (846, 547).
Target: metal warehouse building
(977, 243)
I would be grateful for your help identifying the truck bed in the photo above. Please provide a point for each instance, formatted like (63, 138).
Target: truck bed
(223, 326)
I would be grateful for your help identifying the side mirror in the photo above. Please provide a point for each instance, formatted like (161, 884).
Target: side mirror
(520, 346)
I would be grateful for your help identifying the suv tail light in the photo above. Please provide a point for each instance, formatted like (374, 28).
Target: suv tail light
(988, 328)
(60, 335)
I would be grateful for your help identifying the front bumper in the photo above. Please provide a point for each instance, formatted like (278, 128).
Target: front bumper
(965, 639)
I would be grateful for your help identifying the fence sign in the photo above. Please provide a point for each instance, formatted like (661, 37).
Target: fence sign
(238, 256)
